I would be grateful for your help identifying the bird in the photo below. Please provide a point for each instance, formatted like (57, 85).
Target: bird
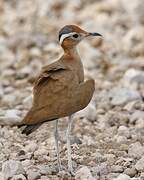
(60, 90)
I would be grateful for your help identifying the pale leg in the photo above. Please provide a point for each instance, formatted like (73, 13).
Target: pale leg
(57, 145)
(70, 167)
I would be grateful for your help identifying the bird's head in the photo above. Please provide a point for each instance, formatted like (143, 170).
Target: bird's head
(71, 35)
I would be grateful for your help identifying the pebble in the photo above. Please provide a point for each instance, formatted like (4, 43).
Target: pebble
(117, 169)
(120, 139)
(11, 168)
(19, 177)
(133, 76)
(31, 147)
(124, 131)
(130, 171)
(136, 115)
(136, 150)
(45, 169)
(140, 164)
(27, 102)
(33, 174)
(84, 174)
(122, 177)
(110, 158)
(10, 117)
(101, 169)
(89, 112)
(120, 96)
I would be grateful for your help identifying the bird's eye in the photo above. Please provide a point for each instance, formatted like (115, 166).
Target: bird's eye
(75, 35)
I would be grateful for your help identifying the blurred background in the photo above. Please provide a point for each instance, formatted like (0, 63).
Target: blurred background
(29, 40)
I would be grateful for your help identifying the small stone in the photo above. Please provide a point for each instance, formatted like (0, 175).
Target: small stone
(137, 115)
(101, 169)
(26, 163)
(142, 175)
(120, 139)
(130, 171)
(120, 96)
(45, 169)
(11, 168)
(133, 76)
(33, 174)
(31, 147)
(27, 102)
(89, 112)
(40, 152)
(9, 99)
(140, 164)
(110, 158)
(117, 169)
(35, 52)
(136, 150)
(44, 178)
(130, 106)
(140, 124)
(122, 177)
(10, 117)
(84, 174)
(124, 131)
(19, 177)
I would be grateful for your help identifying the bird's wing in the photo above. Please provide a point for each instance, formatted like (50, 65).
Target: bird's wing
(52, 90)
(47, 72)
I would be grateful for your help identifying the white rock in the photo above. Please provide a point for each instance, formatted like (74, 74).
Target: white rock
(120, 139)
(122, 177)
(130, 171)
(117, 169)
(42, 151)
(90, 59)
(136, 150)
(10, 117)
(134, 9)
(132, 39)
(84, 174)
(11, 168)
(19, 177)
(89, 112)
(130, 106)
(26, 163)
(27, 102)
(137, 115)
(31, 147)
(133, 76)
(121, 96)
(101, 169)
(32, 175)
(124, 131)
(140, 124)
(140, 164)
(9, 99)
(110, 158)
(1, 91)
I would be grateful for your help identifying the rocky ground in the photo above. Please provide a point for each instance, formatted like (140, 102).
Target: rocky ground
(108, 136)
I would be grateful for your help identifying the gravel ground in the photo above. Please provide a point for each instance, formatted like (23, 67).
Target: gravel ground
(108, 136)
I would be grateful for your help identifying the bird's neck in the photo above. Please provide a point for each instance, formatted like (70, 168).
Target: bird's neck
(72, 53)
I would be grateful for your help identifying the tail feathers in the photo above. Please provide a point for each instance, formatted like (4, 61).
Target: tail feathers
(30, 128)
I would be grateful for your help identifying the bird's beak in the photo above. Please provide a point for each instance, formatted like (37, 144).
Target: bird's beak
(92, 34)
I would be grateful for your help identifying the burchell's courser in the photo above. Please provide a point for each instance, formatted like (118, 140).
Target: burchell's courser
(60, 89)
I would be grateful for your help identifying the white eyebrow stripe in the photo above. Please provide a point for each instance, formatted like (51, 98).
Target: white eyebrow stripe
(63, 36)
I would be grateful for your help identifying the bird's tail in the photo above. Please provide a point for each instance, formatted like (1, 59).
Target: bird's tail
(30, 128)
